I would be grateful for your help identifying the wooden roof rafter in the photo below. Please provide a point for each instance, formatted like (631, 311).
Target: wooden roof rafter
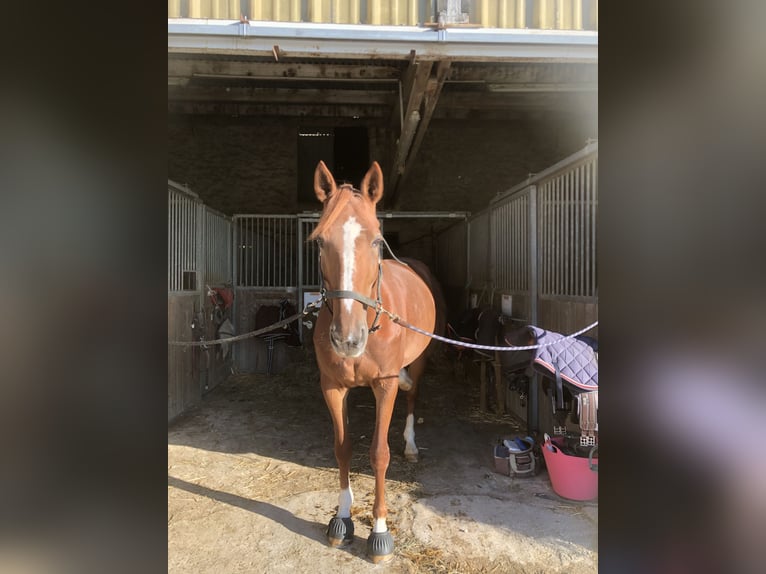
(424, 83)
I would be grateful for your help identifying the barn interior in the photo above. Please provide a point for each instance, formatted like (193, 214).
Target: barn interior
(455, 115)
(483, 118)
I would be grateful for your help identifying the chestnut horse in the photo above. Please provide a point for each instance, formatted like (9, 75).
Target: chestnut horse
(358, 345)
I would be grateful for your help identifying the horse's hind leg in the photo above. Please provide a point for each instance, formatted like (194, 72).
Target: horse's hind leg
(340, 531)
(416, 370)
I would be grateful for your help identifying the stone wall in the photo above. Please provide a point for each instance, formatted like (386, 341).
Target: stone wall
(247, 166)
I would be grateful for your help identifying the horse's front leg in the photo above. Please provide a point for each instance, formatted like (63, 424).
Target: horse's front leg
(340, 531)
(380, 544)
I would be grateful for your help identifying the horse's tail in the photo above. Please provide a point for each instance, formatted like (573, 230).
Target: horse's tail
(440, 302)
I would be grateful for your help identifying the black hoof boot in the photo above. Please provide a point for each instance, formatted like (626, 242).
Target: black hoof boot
(340, 531)
(380, 546)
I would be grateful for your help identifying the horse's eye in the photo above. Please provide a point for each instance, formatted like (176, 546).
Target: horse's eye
(377, 242)
(320, 242)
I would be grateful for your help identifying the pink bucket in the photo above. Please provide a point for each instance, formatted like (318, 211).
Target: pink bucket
(572, 477)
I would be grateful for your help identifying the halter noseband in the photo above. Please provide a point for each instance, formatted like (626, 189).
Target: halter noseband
(366, 301)
(377, 304)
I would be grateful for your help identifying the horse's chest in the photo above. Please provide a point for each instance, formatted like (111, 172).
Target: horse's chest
(355, 373)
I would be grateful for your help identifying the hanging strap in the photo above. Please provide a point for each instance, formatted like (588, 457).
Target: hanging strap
(559, 393)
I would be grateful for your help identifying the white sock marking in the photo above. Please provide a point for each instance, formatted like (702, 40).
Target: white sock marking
(351, 230)
(345, 500)
(409, 436)
(380, 525)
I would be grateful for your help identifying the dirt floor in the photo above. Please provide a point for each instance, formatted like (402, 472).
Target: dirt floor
(252, 484)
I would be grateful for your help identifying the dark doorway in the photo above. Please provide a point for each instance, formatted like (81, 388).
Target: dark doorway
(314, 144)
(345, 151)
(352, 155)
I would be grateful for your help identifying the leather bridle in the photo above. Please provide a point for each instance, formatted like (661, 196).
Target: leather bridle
(376, 304)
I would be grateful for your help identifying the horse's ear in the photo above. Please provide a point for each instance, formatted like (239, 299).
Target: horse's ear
(324, 182)
(372, 184)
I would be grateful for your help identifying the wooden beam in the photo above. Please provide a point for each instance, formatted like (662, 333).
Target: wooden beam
(523, 72)
(361, 114)
(433, 91)
(237, 69)
(279, 95)
(414, 96)
(400, 155)
(405, 88)
(414, 89)
(518, 100)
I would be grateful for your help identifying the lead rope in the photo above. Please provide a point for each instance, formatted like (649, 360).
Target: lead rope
(379, 310)
(315, 305)
(308, 309)
(399, 321)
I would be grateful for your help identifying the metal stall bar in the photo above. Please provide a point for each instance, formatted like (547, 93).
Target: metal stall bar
(566, 267)
(559, 267)
(566, 205)
(589, 208)
(511, 237)
(467, 282)
(493, 249)
(594, 202)
(533, 423)
(182, 242)
(478, 262)
(269, 246)
(198, 212)
(218, 247)
(184, 239)
(307, 251)
(171, 241)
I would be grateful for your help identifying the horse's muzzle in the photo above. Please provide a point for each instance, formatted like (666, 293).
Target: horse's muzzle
(350, 344)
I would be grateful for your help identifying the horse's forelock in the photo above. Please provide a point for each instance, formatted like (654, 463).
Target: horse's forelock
(333, 206)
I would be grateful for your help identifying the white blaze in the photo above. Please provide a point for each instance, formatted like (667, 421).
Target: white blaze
(351, 230)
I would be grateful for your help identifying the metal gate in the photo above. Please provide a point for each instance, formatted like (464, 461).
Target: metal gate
(537, 243)
(199, 255)
(265, 257)
(273, 261)
(535, 247)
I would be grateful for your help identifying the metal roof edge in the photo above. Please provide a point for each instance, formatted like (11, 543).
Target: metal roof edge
(362, 40)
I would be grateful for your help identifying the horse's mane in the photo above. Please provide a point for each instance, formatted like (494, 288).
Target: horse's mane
(333, 206)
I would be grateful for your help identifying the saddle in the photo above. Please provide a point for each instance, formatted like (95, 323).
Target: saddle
(574, 363)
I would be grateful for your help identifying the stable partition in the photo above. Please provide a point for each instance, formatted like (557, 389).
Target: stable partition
(199, 256)
(533, 250)
(536, 243)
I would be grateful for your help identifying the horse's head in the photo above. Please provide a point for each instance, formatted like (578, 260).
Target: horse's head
(349, 238)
